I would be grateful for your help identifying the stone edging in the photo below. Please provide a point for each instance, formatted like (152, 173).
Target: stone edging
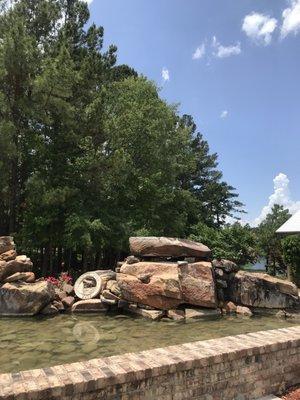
(71, 381)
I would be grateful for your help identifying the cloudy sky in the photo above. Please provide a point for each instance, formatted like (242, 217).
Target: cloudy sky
(233, 65)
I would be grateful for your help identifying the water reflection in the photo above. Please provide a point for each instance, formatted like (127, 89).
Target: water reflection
(39, 342)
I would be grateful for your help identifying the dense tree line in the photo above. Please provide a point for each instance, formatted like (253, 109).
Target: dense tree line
(89, 152)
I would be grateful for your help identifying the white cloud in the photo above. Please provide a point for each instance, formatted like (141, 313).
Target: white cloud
(88, 1)
(199, 52)
(165, 74)
(225, 51)
(259, 27)
(291, 19)
(224, 114)
(281, 196)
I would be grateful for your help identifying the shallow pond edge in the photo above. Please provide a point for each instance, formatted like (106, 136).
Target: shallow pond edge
(248, 365)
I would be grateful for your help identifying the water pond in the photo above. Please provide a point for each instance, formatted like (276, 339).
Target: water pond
(27, 343)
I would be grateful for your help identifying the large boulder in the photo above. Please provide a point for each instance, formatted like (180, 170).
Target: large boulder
(6, 244)
(167, 247)
(165, 285)
(151, 283)
(197, 284)
(21, 298)
(262, 290)
(20, 264)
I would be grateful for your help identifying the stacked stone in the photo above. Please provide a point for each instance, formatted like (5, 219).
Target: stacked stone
(20, 293)
(223, 270)
(168, 277)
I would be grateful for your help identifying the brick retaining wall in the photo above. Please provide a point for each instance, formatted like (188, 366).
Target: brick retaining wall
(238, 367)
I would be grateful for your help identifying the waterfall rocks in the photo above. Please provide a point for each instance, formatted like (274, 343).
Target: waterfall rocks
(164, 278)
(20, 293)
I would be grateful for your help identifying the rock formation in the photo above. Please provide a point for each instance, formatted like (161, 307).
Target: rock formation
(20, 293)
(261, 290)
(163, 278)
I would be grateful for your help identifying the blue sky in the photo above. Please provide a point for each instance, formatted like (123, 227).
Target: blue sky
(234, 65)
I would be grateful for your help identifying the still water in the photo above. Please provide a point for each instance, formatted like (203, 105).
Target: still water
(40, 342)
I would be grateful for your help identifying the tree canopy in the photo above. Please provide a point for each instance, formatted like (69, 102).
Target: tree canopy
(90, 153)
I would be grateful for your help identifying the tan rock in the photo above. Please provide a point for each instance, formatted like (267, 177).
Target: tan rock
(113, 287)
(164, 276)
(167, 247)
(20, 264)
(152, 294)
(197, 284)
(150, 283)
(191, 313)
(229, 307)
(176, 315)
(6, 244)
(244, 311)
(89, 306)
(154, 315)
(28, 277)
(262, 290)
(59, 294)
(68, 301)
(19, 298)
(68, 289)
(106, 275)
(8, 255)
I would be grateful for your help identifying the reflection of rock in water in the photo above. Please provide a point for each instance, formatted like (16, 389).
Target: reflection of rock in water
(86, 332)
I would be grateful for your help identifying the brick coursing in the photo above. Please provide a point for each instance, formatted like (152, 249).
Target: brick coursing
(242, 367)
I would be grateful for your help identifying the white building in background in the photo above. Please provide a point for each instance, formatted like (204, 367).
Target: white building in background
(291, 226)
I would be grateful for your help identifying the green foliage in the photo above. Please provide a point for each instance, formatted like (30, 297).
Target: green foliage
(232, 242)
(90, 154)
(291, 254)
(269, 242)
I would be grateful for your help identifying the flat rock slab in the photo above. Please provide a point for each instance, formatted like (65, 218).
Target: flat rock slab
(191, 313)
(28, 277)
(176, 315)
(167, 247)
(154, 315)
(88, 306)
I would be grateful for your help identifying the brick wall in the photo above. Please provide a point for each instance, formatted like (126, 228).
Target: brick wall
(232, 368)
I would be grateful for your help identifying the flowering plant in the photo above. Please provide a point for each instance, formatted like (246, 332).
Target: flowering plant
(63, 278)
